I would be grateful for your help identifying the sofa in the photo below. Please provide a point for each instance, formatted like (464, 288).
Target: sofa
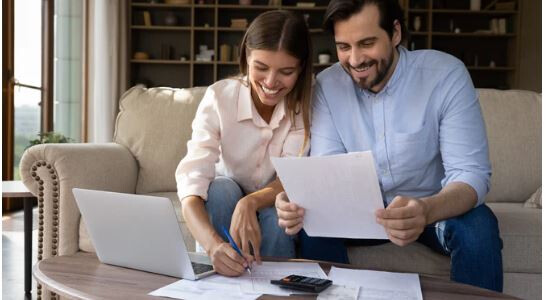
(151, 132)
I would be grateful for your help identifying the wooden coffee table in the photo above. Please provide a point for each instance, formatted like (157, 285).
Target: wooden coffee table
(82, 276)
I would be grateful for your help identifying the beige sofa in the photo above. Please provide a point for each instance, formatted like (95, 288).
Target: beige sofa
(153, 127)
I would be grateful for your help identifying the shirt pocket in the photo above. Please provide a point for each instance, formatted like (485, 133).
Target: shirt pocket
(412, 151)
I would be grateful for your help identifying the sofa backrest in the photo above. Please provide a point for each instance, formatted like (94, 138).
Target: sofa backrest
(514, 131)
(155, 125)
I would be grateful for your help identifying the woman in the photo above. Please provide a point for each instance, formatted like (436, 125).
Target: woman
(226, 179)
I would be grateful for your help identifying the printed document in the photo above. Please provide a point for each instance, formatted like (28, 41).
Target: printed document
(379, 285)
(340, 193)
(245, 287)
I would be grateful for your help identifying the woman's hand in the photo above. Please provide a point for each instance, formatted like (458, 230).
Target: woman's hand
(290, 215)
(245, 227)
(226, 261)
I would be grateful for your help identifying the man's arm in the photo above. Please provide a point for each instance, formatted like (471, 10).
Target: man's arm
(464, 149)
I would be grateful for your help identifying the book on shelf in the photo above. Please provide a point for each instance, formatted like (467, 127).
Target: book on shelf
(146, 16)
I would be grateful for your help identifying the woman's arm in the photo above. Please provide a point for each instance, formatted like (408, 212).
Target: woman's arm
(224, 259)
(244, 222)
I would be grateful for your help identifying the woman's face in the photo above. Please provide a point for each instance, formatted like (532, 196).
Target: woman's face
(272, 74)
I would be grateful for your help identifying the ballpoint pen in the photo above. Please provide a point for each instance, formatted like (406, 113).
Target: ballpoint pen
(234, 246)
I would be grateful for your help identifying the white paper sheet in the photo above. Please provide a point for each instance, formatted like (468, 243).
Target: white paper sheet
(340, 193)
(339, 292)
(244, 287)
(259, 281)
(379, 285)
(213, 287)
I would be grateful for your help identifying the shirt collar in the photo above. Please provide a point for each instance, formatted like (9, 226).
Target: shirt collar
(244, 104)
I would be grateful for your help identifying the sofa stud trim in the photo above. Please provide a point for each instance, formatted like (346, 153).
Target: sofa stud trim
(55, 219)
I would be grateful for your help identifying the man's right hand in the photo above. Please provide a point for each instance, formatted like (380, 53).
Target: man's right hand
(226, 261)
(290, 215)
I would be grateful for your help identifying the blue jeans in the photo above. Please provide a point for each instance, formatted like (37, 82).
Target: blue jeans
(223, 195)
(472, 240)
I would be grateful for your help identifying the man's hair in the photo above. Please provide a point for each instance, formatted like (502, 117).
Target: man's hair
(389, 11)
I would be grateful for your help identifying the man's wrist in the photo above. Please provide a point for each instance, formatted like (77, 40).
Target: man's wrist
(427, 206)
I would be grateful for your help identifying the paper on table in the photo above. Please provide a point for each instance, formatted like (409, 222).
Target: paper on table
(259, 281)
(339, 292)
(340, 193)
(379, 285)
(213, 287)
(243, 287)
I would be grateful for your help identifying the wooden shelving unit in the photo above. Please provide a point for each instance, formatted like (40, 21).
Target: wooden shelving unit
(201, 24)
(490, 56)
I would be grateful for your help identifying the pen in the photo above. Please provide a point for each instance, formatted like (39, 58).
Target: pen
(234, 246)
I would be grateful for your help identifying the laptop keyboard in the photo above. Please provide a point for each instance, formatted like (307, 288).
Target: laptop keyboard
(201, 268)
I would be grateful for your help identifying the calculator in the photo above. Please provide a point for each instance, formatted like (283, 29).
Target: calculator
(303, 283)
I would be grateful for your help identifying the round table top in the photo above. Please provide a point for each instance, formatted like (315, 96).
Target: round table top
(82, 276)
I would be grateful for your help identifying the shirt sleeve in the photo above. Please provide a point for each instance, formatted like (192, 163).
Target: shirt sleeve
(463, 139)
(196, 170)
(325, 139)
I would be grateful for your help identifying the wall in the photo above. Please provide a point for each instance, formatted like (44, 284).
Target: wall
(530, 56)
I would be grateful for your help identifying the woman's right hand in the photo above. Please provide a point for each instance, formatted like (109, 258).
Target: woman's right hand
(290, 215)
(226, 261)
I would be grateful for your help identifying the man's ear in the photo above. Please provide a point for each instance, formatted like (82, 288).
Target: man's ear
(396, 33)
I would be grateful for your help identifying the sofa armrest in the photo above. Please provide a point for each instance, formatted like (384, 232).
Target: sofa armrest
(50, 171)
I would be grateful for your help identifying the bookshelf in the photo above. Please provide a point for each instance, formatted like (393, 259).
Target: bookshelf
(488, 46)
(174, 32)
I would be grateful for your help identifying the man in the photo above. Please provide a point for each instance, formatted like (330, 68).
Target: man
(419, 114)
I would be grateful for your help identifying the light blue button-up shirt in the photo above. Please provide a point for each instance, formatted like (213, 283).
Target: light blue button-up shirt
(425, 127)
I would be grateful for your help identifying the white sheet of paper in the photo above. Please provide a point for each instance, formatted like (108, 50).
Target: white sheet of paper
(379, 285)
(339, 292)
(340, 193)
(244, 287)
(213, 287)
(259, 281)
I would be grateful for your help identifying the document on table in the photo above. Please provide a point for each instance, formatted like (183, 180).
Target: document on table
(259, 281)
(379, 285)
(340, 193)
(244, 287)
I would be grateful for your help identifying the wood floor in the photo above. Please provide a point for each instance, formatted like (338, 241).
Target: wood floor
(13, 255)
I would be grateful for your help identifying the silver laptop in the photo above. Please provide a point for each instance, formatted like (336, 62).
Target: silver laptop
(139, 232)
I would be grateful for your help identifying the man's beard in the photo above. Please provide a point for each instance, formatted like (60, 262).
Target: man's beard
(382, 69)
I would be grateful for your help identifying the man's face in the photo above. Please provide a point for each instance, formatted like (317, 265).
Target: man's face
(365, 50)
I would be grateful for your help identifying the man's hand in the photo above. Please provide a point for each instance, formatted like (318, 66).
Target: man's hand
(245, 227)
(404, 219)
(290, 215)
(227, 261)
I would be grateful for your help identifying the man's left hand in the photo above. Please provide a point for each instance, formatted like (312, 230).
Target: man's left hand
(404, 219)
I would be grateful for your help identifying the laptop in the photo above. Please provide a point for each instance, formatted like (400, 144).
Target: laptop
(139, 232)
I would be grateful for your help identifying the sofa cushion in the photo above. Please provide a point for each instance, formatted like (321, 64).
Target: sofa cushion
(155, 125)
(520, 230)
(87, 246)
(513, 123)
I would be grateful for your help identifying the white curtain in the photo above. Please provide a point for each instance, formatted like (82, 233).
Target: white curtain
(107, 44)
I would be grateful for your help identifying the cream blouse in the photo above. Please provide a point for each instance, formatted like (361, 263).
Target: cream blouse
(231, 139)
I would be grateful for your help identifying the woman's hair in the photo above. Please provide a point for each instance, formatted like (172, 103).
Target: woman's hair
(287, 31)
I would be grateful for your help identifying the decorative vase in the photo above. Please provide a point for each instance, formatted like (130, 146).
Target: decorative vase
(324, 58)
(417, 23)
(170, 19)
(475, 4)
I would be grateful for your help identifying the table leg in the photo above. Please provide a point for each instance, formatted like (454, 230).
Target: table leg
(27, 204)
